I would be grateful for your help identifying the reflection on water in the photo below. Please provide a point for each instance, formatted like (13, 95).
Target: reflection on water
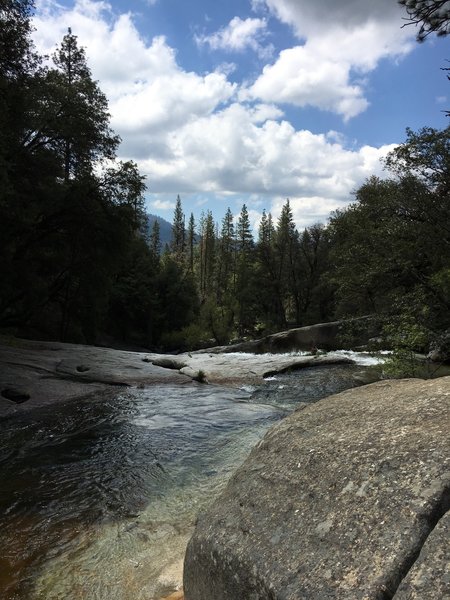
(98, 498)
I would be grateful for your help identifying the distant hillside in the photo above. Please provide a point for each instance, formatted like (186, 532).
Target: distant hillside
(165, 228)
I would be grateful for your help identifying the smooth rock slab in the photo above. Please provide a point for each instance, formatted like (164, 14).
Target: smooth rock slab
(335, 502)
(38, 373)
(236, 368)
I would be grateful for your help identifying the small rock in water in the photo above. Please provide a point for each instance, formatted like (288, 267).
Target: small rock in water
(83, 368)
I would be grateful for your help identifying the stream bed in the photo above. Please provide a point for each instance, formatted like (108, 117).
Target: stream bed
(98, 497)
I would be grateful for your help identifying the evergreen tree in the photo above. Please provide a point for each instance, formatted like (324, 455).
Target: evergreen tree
(207, 255)
(225, 267)
(178, 244)
(72, 119)
(287, 284)
(191, 243)
(155, 240)
(269, 306)
(245, 282)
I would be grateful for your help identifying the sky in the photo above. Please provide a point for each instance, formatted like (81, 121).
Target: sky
(255, 101)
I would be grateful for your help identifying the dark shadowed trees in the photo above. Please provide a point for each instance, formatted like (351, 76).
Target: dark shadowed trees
(433, 16)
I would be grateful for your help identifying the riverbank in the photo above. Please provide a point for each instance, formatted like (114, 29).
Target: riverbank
(35, 374)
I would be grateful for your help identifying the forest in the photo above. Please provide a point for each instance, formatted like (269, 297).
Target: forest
(78, 262)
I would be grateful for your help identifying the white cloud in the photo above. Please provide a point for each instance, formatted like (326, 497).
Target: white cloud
(341, 42)
(239, 35)
(163, 204)
(194, 133)
(309, 18)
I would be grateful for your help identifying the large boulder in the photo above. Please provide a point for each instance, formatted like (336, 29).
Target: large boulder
(33, 373)
(344, 499)
(325, 336)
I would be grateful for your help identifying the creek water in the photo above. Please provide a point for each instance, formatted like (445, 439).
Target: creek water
(98, 497)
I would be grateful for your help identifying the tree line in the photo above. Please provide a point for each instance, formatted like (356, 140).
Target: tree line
(78, 264)
(387, 255)
(75, 264)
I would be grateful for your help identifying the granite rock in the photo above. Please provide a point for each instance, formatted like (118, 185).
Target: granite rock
(336, 502)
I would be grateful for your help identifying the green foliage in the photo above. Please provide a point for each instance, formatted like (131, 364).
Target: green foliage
(76, 265)
(406, 337)
(178, 244)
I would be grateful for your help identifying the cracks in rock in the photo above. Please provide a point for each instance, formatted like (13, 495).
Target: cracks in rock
(441, 506)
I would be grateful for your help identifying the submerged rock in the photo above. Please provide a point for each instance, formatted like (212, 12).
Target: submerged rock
(338, 501)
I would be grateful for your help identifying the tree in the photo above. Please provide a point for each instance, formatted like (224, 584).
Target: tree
(399, 230)
(287, 276)
(433, 16)
(316, 293)
(226, 257)
(245, 281)
(191, 243)
(155, 240)
(266, 273)
(207, 265)
(178, 243)
(71, 116)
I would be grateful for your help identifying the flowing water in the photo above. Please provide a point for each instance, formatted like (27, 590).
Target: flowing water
(98, 498)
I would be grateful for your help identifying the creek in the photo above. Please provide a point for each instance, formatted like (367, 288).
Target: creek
(98, 497)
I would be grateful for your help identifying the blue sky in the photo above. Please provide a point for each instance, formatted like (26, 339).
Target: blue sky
(256, 100)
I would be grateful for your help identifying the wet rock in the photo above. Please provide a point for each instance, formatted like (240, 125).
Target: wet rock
(336, 502)
(16, 395)
(83, 368)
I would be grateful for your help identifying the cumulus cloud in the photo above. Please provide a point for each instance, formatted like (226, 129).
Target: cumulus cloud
(159, 204)
(341, 42)
(194, 133)
(312, 17)
(239, 35)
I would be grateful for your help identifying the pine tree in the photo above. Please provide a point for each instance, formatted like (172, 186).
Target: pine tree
(178, 243)
(267, 292)
(191, 243)
(226, 258)
(207, 255)
(73, 119)
(286, 246)
(245, 283)
(155, 239)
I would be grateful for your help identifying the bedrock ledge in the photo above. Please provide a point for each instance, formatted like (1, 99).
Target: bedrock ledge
(347, 498)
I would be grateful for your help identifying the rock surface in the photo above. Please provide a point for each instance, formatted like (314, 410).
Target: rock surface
(430, 574)
(342, 500)
(238, 367)
(36, 373)
(40, 373)
(326, 336)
